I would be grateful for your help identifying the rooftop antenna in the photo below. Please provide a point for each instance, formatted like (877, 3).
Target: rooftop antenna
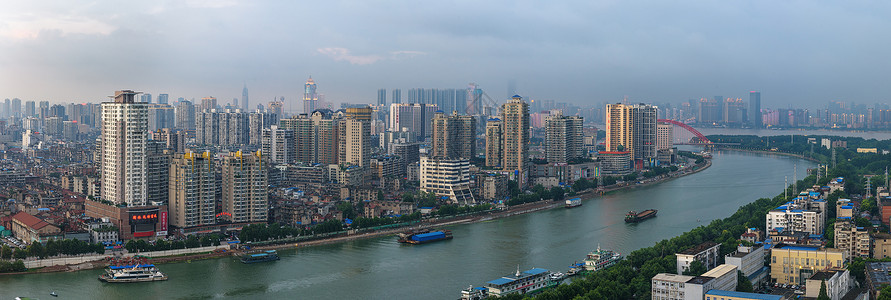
(786, 188)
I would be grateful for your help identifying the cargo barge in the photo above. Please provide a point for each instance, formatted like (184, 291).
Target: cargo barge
(575, 202)
(264, 256)
(634, 217)
(424, 236)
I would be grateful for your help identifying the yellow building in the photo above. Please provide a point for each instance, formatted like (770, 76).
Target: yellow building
(867, 150)
(795, 264)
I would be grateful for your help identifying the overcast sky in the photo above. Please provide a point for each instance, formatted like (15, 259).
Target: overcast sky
(802, 53)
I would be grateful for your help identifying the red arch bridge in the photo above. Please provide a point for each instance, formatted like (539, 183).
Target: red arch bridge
(697, 139)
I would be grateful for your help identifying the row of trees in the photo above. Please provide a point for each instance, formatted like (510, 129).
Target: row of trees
(161, 245)
(12, 266)
(52, 248)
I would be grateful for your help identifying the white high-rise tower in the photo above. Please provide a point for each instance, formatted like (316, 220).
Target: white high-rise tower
(124, 138)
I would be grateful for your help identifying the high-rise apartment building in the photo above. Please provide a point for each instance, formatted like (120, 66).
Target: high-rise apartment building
(157, 159)
(145, 98)
(447, 178)
(163, 98)
(354, 137)
(185, 115)
(175, 140)
(382, 97)
(192, 190)
(30, 109)
(412, 117)
(245, 181)
(227, 128)
(494, 143)
(565, 139)
(316, 136)
(208, 103)
(310, 97)
(161, 116)
(515, 126)
(454, 136)
(397, 96)
(734, 111)
(631, 128)
(244, 99)
(754, 112)
(123, 151)
(278, 145)
(664, 136)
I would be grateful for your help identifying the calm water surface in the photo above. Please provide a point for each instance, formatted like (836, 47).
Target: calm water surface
(381, 268)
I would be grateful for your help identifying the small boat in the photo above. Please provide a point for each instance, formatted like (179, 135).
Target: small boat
(575, 202)
(557, 276)
(54, 294)
(634, 217)
(256, 257)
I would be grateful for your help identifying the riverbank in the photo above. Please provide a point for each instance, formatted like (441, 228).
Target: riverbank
(480, 217)
(772, 152)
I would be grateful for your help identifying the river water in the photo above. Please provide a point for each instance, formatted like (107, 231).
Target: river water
(381, 268)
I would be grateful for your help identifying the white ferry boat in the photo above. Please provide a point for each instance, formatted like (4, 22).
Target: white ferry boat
(520, 283)
(601, 259)
(132, 273)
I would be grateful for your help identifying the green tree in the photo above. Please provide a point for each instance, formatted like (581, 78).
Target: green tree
(885, 293)
(5, 252)
(742, 283)
(36, 250)
(823, 294)
(696, 268)
(557, 193)
(19, 254)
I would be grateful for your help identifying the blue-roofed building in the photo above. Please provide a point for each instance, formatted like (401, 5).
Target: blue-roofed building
(734, 295)
(520, 282)
(800, 215)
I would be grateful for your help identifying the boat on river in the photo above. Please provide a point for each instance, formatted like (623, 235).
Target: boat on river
(634, 217)
(132, 273)
(257, 257)
(601, 259)
(575, 202)
(525, 282)
(417, 237)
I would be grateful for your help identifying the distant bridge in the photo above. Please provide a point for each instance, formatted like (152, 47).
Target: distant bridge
(698, 137)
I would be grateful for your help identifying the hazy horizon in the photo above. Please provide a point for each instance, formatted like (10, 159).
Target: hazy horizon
(797, 53)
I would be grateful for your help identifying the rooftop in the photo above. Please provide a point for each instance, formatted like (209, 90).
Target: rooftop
(672, 277)
(699, 248)
(700, 280)
(743, 295)
(823, 275)
(878, 272)
(720, 271)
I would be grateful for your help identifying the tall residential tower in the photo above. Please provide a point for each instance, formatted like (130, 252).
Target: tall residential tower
(124, 138)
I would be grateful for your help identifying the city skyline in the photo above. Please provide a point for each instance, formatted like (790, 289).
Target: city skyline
(795, 53)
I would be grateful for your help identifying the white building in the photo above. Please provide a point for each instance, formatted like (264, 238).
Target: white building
(447, 178)
(124, 137)
(838, 283)
(749, 261)
(725, 278)
(707, 253)
(666, 286)
(800, 215)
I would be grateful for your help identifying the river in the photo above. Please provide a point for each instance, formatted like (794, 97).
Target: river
(380, 268)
